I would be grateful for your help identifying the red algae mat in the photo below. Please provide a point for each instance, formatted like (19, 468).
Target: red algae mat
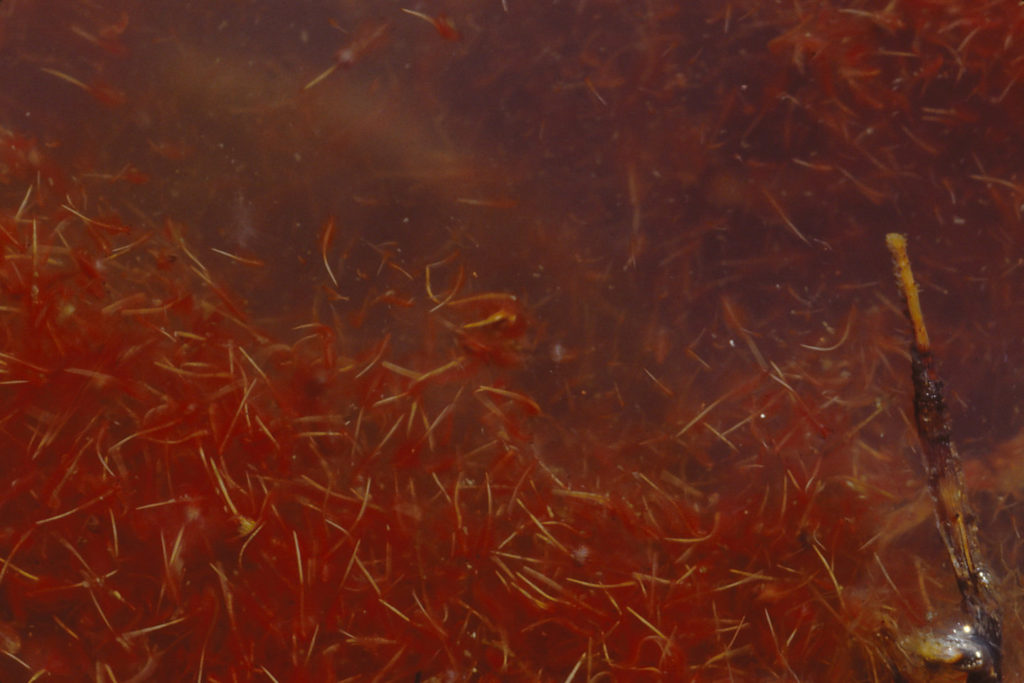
(501, 341)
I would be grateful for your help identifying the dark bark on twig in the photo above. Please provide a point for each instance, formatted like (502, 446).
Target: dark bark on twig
(976, 645)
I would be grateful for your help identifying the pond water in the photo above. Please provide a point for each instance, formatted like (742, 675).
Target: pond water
(492, 340)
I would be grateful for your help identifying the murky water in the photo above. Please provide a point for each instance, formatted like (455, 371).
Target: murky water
(591, 300)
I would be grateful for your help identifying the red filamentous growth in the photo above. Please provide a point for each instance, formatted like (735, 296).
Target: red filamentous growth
(499, 341)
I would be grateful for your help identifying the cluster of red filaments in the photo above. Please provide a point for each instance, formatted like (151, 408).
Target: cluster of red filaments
(186, 492)
(381, 489)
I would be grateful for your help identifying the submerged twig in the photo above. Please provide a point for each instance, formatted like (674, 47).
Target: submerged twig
(974, 646)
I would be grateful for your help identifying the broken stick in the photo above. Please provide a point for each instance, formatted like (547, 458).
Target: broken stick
(974, 646)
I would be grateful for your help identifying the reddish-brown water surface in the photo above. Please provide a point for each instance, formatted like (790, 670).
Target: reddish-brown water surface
(484, 340)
